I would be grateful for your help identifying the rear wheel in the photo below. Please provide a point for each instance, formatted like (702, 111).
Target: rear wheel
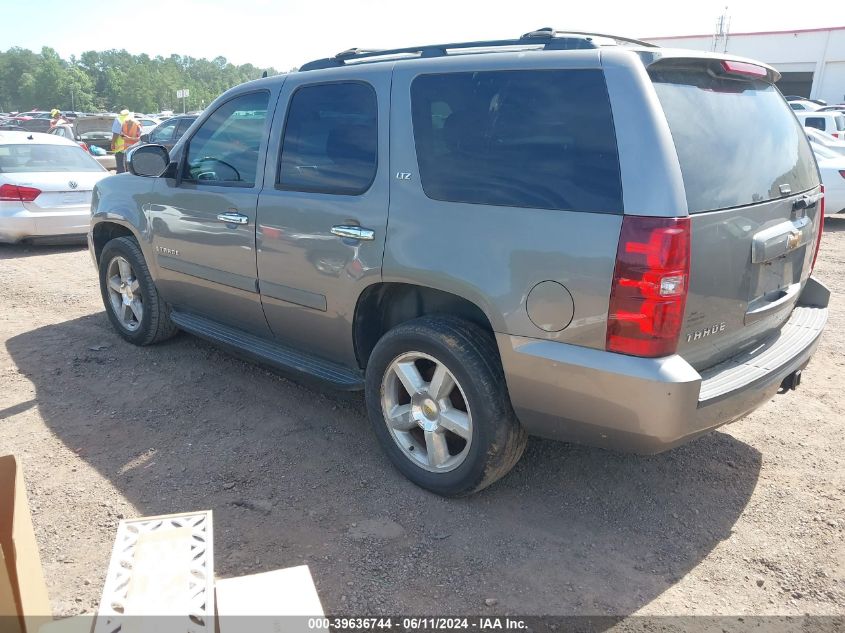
(132, 302)
(438, 402)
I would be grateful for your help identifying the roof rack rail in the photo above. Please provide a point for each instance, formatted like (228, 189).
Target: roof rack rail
(548, 37)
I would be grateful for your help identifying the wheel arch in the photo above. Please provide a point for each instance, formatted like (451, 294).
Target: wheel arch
(104, 231)
(384, 305)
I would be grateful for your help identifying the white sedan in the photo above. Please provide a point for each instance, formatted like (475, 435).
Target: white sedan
(832, 168)
(45, 187)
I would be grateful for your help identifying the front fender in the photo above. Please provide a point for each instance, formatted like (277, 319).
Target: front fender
(122, 200)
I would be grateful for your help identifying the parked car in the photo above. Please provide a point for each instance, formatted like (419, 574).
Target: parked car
(589, 244)
(34, 121)
(818, 102)
(825, 140)
(833, 108)
(804, 105)
(45, 187)
(147, 124)
(169, 131)
(832, 168)
(831, 122)
(91, 132)
(32, 114)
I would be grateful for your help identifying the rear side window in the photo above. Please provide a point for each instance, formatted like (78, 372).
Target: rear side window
(184, 124)
(540, 139)
(737, 141)
(331, 139)
(163, 132)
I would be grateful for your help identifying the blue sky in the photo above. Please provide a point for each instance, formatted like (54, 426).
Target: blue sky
(286, 33)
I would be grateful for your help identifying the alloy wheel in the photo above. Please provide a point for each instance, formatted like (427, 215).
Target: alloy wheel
(125, 293)
(426, 412)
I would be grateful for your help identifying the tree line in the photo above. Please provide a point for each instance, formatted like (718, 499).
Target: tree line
(111, 80)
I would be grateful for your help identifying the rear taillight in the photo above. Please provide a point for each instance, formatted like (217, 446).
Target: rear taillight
(649, 288)
(84, 146)
(15, 193)
(821, 228)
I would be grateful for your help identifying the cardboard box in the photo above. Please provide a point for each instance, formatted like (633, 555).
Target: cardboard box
(282, 600)
(24, 604)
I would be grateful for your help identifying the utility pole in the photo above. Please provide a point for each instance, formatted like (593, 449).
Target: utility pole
(723, 28)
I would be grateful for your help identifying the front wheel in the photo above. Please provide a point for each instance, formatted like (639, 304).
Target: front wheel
(132, 302)
(438, 402)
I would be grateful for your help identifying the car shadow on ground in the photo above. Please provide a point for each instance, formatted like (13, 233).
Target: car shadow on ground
(834, 224)
(294, 474)
(37, 249)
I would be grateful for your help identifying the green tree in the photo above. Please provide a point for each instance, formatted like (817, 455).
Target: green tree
(114, 79)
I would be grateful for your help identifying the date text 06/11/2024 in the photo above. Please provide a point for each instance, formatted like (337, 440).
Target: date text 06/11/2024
(480, 623)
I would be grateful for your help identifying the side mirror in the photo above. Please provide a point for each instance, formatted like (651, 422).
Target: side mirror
(148, 160)
(145, 138)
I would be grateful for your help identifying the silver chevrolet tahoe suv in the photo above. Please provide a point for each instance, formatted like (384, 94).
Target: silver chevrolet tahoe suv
(568, 235)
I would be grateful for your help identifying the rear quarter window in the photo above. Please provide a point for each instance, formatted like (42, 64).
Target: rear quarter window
(737, 141)
(524, 138)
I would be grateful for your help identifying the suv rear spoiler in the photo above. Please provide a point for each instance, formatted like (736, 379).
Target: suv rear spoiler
(731, 66)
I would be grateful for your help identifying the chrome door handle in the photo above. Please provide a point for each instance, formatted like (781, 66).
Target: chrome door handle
(353, 232)
(233, 218)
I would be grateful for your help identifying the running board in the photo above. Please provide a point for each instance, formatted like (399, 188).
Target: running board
(270, 353)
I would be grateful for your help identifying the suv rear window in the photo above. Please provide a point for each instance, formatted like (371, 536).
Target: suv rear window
(737, 141)
(539, 138)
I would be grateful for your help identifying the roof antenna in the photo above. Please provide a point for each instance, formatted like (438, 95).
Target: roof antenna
(264, 74)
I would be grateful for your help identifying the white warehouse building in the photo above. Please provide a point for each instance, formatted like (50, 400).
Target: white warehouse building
(811, 61)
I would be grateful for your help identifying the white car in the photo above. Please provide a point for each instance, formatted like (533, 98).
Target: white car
(831, 122)
(45, 186)
(832, 168)
(825, 140)
(147, 123)
(803, 105)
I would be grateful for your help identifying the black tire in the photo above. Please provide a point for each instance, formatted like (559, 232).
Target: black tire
(470, 354)
(155, 324)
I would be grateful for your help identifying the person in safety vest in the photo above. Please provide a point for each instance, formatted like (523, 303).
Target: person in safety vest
(125, 132)
(57, 118)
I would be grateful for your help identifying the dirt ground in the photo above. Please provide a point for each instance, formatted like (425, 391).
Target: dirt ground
(746, 520)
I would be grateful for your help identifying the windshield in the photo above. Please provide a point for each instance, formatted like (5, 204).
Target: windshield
(738, 143)
(45, 158)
